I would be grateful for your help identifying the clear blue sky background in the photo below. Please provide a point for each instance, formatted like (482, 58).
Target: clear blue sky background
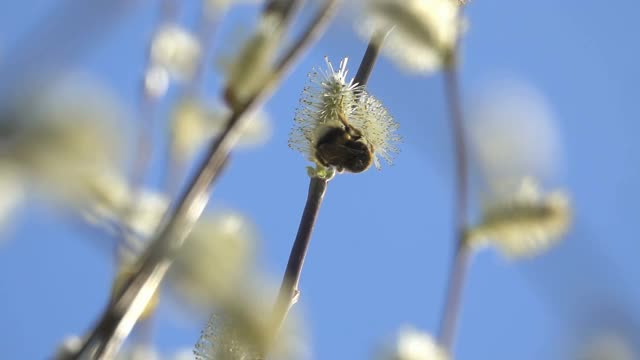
(380, 253)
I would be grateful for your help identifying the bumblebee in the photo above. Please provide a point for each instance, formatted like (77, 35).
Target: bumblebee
(344, 149)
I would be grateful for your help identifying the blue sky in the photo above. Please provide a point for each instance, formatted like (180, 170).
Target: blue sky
(380, 252)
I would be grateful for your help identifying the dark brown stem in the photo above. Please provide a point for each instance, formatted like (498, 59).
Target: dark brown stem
(455, 286)
(289, 288)
(122, 313)
(461, 255)
(369, 58)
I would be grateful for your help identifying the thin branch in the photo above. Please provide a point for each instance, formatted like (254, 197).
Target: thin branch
(369, 58)
(289, 291)
(455, 286)
(457, 275)
(289, 288)
(122, 313)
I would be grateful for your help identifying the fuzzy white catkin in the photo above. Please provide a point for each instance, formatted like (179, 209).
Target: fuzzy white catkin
(249, 69)
(177, 50)
(516, 147)
(528, 224)
(156, 81)
(114, 207)
(423, 35)
(63, 135)
(328, 94)
(214, 259)
(239, 328)
(193, 123)
(411, 344)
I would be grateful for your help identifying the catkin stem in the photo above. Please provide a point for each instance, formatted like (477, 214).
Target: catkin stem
(369, 58)
(289, 288)
(457, 275)
(122, 313)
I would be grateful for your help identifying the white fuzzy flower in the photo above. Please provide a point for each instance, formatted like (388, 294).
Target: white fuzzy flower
(412, 344)
(177, 50)
(340, 125)
(424, 31)
(378, 128)
(156, 81)
(250, 67)
(214, 259)
(114, 207)
(241, 329)
(517, 149)
(524, 225)
(63, 135)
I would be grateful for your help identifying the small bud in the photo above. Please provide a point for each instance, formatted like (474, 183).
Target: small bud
(251, 67)
(194, 123)
(412, 344)
(69, 347)
(156, 81)
(177, 50)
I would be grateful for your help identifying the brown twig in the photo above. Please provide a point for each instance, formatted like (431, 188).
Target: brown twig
(369, 58)
(289, 288)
